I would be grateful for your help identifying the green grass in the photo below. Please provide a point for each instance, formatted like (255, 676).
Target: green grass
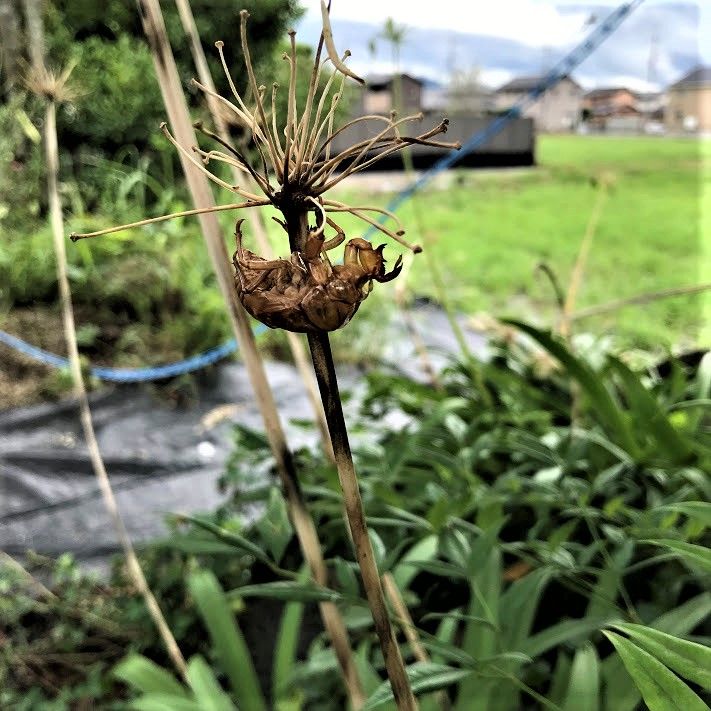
(490, 230)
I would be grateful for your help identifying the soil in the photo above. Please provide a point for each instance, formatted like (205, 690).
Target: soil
(24, 381)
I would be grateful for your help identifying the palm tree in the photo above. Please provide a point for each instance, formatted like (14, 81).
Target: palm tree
(394, 35)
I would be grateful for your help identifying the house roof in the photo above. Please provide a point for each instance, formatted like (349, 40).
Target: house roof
(373, 80)
(527, 83)
(696, 77)
(606, 92)
(649, 95)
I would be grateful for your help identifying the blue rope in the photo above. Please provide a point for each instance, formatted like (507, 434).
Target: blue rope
(132, 375)
(556, 74)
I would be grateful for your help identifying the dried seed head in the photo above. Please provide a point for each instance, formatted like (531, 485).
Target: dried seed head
(52, 85)
(305, 292)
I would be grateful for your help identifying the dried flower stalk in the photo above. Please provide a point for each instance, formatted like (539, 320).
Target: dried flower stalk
(55, 89)
(306, 292)
(306, 531)
(223, 137)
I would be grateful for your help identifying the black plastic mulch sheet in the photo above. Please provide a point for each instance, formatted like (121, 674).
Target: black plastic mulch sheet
(160, 459)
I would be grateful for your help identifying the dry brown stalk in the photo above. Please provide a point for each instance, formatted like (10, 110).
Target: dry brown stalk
(637, 299)
(97, 462)
(401, 611)
(37, 587)
(581, 260)
(404, 619)
(305, 293)
(576, 278)
(328, 384)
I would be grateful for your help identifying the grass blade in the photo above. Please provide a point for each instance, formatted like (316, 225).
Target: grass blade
(681, 620)
(520, 602)
(229, 537)
(481, 642)
(584, 686)
(289, 591)
(208, 693)
(698, 510)
(403, 573)
(620, 691)
(164, 702)
(560, 679)
(227, 639)
(423, 677)
(603, 596)
(285, 647)
(694, 555)
(144, 675)
(612, 418)
(649, 416)
(565, 631)
(688, 659)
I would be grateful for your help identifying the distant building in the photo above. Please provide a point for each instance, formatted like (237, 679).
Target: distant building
(379, 95)
(652, 104)
(558, 109)
(600, 104)
(689, 102)
(512, 146)
(620, 109)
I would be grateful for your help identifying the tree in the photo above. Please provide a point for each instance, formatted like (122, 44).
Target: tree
(9, 43)
(394, 35)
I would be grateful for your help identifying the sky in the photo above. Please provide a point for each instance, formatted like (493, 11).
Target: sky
(506, 38)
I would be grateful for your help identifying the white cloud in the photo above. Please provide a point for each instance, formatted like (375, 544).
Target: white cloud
(536, 23)
(531, 22)
(506, 38)
(495, 77)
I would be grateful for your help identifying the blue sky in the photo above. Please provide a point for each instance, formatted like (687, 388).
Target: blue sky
(505, 38)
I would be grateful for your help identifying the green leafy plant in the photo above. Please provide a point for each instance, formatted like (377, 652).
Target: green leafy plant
(517, 511)
(520, 540)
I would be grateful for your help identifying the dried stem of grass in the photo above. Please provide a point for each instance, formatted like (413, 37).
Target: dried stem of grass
(176, 106)
(576, 277)
(401, 611)
(646, 298)
(97, 462)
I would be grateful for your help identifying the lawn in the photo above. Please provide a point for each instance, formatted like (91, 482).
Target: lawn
(490, 230)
